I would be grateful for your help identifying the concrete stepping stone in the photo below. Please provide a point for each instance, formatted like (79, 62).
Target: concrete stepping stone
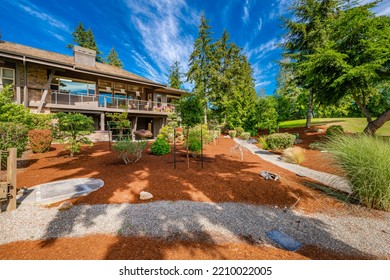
(59, 190)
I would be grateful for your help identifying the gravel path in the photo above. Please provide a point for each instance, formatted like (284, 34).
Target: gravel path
(329, 180)
(207, 222)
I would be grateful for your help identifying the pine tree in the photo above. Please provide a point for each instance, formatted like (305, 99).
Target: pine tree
(175, 76)
(199, 64)
(85, 38)
(113, 59)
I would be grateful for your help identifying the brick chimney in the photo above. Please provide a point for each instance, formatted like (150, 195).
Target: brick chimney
(84, 56)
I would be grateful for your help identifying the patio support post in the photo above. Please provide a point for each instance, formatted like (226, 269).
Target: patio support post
(102, 122)
(45, 92)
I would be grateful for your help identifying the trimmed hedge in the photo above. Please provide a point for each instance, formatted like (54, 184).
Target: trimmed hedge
(334, 130)
(40, 140)
(278, 141)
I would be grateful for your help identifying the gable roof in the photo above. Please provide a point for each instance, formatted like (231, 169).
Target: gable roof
(26, 53)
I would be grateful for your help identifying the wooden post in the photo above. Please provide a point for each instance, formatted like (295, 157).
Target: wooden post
(46, 90)
(11, 178)
(174, 147)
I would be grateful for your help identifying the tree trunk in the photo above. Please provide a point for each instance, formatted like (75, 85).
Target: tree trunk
(205, 115)
(373, 126)
(363, 108)
(188, 154)
(309, 110)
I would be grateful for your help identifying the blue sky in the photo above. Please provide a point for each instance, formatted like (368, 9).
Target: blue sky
(150, 34)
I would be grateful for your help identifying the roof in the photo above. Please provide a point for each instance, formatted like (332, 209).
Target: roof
(22, 52)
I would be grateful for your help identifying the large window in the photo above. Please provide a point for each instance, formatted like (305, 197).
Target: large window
(76, 87)
(7, 77)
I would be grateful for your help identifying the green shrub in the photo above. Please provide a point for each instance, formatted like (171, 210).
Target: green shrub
(239, 130)
(167, 132)
(263, 143)
(40, 140)
(13, 135)
(232, 133)
(366, 164)
(278, 141)
(317, 146)
(160, 147)
(41, 121)
(245, 135)
(130, 151)
(334, 130)
(72, 129)
(194, 144)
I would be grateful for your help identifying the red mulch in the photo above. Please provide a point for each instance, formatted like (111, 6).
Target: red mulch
(224, 178)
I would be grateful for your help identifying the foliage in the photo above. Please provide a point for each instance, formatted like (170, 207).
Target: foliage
(366, 163)
(232, 133)
(72, 129)
(11, 112)
(85, 38)
(41, 121)
(278, 141)
(40, 140)
(130, 151)
(175, 76)
(263, 143)
(113, 59)
(121, 122)
(239, 130)
(266, 114)
(190, 110)
(317, 146)
(245, 135)
(194, 144)
(334, 130)
(13, 135)
(160, 147)
(294, 155)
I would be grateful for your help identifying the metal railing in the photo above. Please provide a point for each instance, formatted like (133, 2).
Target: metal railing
(103, 101)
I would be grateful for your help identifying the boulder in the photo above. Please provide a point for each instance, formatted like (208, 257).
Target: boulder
(65, 206)
(269, 176)
(142, 133)
(145, 195)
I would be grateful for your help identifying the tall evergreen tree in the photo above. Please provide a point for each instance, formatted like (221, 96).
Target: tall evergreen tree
(306, 31)
(85, 38)
(113, 59)
(199, 64)
(175, 76)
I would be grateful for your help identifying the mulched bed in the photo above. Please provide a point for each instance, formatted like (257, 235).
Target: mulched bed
(224, 178)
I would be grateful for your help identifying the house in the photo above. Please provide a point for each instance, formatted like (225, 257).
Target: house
(49, 82)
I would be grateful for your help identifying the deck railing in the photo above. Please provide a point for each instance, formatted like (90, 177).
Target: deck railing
(103, 101)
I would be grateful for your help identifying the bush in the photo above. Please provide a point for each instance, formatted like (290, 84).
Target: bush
(232, 133)
(72, 129)
(194, 144)
(365, 161)
(294, 155)
(41, 121)
(160, 147)
(130, 151)
(13, 135)
(263, 143)
(40, 140)
(317, 146)
(239, 130)
(277, 141)
(245, 135)
(334, 130)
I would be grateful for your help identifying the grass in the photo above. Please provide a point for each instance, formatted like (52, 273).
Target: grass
(349, 124)
(294, 155)
(365, 161)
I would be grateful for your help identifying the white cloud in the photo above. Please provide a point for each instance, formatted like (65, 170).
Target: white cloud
(245, 16)
(262, 84)
(260, 25)
(34, 11)
(281, 8)
(263, 49)
(159, 24)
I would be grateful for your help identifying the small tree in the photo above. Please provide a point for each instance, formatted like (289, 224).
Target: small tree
(190, 112)
(113, 59)
(72, 129)
(120, 122)
(130, 151)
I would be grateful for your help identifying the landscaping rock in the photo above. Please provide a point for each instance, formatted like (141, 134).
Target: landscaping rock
(65, 206)
(145, 195)
(269, 176)
(142, 133)
(298, 141)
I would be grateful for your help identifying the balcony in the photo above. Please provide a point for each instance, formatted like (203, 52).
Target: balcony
(58, 99)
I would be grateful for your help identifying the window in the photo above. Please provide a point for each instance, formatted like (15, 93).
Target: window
(76, 87)
(7, 77)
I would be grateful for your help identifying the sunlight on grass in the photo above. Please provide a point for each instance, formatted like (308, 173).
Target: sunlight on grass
(349, 124)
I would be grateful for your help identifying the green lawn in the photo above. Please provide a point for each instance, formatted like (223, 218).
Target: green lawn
(349, 124)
